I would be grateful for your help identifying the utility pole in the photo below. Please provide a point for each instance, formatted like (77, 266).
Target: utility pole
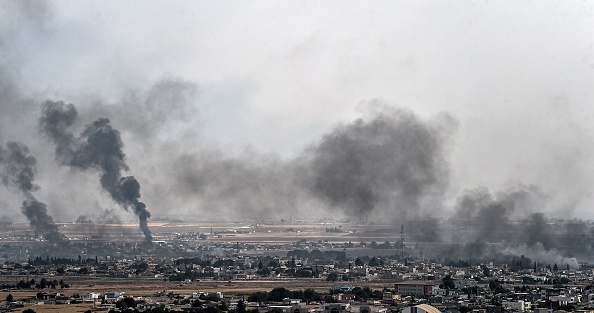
(402, 241)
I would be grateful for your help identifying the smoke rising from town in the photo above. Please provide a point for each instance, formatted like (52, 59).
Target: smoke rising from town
(17, 170)
(268, 122)
(392, 160)
(98, 147)
(511, 222)
(389, 163)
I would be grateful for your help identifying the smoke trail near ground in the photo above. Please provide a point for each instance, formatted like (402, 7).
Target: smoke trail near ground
(511, 222)
(513, 216)
(5, 221)
(539, 253)
(17, 170)
(99, 147)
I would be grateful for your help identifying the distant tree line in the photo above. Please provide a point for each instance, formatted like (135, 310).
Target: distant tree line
(309, 295)
(319, 255)
(511, 262)
(385, 245)
(191, 275)
(42, 284)
(205, 263)
(61, 261)
(280, 293)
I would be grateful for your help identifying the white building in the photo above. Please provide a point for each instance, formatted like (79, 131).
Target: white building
(516, 306)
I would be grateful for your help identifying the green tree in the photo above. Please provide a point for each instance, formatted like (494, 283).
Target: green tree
(447, 282)
(465, 309)
(496, 286)
(264, 271)
(332, 276)
(278, 294)
(125, 303)
(9, 298)
(223, 306)
(486, 271)
(140, 268)
(309, 295)
(240, 307)
(259, 297)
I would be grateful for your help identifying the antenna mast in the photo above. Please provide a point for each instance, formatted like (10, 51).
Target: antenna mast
(402, 241)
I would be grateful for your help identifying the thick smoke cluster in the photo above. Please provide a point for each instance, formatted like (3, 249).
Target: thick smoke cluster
(17, 170)
(491, 216)
(513, 222)
(98, 147)
(392, 160)
(389, 163)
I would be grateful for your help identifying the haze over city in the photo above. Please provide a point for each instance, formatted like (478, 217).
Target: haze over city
(388, 111)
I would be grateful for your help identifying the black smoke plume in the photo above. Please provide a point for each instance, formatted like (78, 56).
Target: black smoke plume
(389, 163)
(17, 170)
(98, 147)
(392, 160)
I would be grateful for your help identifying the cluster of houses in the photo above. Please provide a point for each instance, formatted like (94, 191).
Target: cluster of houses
(416, 283)
(408, 284)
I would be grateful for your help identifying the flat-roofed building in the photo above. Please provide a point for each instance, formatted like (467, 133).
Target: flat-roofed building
(414, 288)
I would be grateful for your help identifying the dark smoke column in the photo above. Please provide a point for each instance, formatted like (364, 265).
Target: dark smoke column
(99, 147)
(392, 160)
(17, 169)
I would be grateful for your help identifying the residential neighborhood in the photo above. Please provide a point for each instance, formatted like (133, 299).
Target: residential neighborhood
(320, 280)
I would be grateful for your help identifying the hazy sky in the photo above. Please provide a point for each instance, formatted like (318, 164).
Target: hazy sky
(270, 78)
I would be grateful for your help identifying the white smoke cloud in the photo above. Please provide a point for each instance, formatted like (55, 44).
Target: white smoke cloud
(539, 254)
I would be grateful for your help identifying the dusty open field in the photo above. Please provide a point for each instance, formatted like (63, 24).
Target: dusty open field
(234, 288)
(251, 233)
(66, 308)
(245, 232)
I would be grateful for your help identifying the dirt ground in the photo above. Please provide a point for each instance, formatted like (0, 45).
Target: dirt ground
(229, 289)
(63, 308)
(223, 232)
(234, 288)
